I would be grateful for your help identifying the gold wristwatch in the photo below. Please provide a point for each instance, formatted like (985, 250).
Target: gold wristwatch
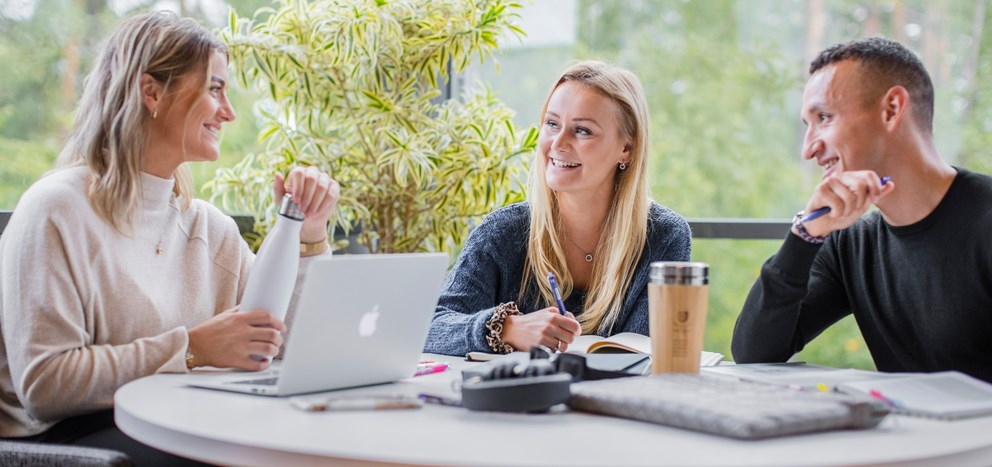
(190, 359)
(313, 249)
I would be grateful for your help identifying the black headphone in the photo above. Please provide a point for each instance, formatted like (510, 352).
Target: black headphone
(517, 384)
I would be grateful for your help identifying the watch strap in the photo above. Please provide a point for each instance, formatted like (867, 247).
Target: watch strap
(800, 229)
(314, 249)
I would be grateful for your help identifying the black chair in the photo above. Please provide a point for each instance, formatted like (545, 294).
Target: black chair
(26, 454)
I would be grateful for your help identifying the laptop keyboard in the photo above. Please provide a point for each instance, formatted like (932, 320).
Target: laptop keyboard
(738, 409)
(259, 382)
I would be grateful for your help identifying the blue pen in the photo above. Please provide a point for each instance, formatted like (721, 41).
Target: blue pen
(819, 212)
(556, 292)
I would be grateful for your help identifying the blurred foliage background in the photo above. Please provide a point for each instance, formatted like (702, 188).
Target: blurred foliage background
(357, 89)
(724, 80)
(723, 77)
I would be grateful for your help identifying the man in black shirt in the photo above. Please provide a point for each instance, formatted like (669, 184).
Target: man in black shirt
(916, 274)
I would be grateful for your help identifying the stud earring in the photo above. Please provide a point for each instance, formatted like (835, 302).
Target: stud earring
(623, 166)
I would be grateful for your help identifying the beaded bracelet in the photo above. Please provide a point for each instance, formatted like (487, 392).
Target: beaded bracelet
(494, 327)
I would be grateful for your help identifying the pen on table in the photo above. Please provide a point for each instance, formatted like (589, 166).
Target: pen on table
(820, 387)
(480, 356)
(821, 211)
(556, 292)
(356, 403)
(439, 400)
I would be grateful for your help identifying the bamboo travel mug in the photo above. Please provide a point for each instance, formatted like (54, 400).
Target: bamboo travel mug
(678, 296)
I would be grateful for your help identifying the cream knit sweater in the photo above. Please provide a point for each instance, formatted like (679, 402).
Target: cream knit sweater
(85, 309)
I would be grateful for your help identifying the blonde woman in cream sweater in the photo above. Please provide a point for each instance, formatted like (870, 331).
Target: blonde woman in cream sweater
(109, 269)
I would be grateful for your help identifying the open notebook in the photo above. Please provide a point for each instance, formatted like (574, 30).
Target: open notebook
(629, 342)
(946, 395)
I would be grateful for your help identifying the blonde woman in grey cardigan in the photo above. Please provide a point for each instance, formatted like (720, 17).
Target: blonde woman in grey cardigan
(110, 270)
(588, 219)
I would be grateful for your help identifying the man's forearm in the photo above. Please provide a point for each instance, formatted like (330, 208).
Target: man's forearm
(767, 328)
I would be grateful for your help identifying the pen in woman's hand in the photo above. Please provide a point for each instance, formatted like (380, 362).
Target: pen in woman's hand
(821, 211)
(556, 292)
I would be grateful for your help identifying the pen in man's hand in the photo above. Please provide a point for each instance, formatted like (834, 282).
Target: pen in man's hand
(556, 292)
(821, 211)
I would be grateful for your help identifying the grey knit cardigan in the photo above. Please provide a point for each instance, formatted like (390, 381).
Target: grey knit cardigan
(491, 266)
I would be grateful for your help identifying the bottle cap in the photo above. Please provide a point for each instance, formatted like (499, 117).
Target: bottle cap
(289, 208)
(679, 273)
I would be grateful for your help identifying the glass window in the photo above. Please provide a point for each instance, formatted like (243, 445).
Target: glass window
(723, 79)
(48, 48)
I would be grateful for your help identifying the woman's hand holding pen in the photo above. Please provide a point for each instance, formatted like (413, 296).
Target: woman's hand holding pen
(317, 195)
(848, 194)
(547, 327)
(229, 339)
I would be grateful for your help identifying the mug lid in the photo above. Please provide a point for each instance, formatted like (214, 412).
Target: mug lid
(670, 272)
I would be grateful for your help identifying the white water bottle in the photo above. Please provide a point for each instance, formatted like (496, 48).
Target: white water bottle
(273, 274)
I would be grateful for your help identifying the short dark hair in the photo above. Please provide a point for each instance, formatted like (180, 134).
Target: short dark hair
(885, 63)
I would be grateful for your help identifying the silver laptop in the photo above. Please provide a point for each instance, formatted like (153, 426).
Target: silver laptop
(360, 320)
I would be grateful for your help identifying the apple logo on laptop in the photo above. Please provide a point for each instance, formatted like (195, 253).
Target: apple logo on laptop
(366, 327)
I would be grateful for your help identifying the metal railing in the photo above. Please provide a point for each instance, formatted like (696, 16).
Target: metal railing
(725, 228)
(740, 228)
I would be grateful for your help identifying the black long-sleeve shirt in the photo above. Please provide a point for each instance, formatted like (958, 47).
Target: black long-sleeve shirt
(921, 294)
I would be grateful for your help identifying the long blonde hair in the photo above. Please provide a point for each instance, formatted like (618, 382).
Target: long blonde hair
(623, 243)
(111, 122)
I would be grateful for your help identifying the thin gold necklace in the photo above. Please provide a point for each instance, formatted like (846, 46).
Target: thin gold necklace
(159, 249)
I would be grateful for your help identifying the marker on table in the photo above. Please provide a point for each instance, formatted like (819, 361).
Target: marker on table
(430, 367)
(821, 211)
(890, 402)
(556, 293)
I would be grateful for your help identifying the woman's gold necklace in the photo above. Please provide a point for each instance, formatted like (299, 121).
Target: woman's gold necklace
(159, 249)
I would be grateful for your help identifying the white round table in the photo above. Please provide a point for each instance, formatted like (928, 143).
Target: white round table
(235, 429)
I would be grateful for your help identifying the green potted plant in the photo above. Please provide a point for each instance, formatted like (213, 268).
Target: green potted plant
(352, 88)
